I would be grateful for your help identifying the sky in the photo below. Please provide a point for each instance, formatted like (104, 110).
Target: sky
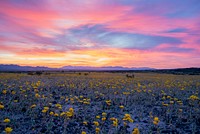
(128, 33)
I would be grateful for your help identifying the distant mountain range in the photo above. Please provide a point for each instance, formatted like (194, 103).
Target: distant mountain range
(178, 71)
(104, 68)
(12, 67)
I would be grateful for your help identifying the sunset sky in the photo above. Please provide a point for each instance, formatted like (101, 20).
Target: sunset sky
(129, 33)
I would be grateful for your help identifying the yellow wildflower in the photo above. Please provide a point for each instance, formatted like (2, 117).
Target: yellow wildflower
(130, 120)
(56, 115)
(136, 131)
(63, 113)
(108, 102)
(96, 123)
(83, 132)
(13, 92)
(122, 107)
(127, 117)
(155, 120)
(8, 130)
(58, 105)
(71, 110)
(112, 119)
(85, 123)
(104, 114)
(164, 104)
(37, 95)
(98, 117)
(86, 102)
(51, 113)
(115, 123)
(4, 91)
(103, 119)
(1, 106)
(44, 110)
(97, 129)
(194, 97)
(69, 114)
(6, 120)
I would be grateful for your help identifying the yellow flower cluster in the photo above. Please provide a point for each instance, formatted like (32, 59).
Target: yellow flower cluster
(108, 102)
(115, 122)
(126, 93)
(70, 113)
(84, 100)
(104, 116)
(127, 117)
(136, 131)
(180, 102)
(194, 97)
(45, 109)
(59, 106)
(156, 120)
(97, 130)
(165, 104)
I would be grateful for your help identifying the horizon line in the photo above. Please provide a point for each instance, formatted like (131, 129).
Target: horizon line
(98, 67)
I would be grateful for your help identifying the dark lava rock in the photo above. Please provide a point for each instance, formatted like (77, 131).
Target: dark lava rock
(24, 110)
(57, 97)
(184, 120)
(27, 119)
(54, 102)
(198, 122)
(53, 92)
(43, 130)
(145, 121)
(169, 132)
